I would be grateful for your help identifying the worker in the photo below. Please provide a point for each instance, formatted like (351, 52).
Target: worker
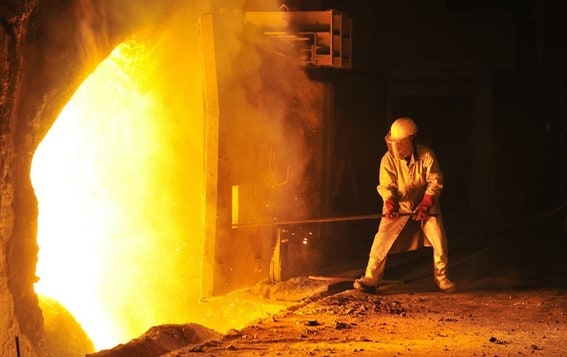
(410, 181)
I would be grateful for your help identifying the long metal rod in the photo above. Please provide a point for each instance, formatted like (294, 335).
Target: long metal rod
(322, 220)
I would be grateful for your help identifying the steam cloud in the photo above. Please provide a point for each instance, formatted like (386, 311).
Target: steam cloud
(151, 184)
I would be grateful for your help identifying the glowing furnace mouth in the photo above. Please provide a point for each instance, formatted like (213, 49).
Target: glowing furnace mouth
(112, 233)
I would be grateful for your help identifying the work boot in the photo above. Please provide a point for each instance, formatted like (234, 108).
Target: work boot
(440, 274)
(372, 276)
(363, 284)
(446, 285)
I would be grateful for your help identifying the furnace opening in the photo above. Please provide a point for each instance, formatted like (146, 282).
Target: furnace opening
(118, 178)
(139, 166)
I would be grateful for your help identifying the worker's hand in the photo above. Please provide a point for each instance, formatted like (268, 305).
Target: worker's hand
(392, 208)
(422, 211)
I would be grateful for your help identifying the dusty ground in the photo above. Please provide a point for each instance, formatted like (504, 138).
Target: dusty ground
(512, 300)
(353, 323)
(411, 320)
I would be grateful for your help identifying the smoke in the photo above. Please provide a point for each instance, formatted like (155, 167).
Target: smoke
(120, 176)
(92, 34)
(98, 26)
(270, 118)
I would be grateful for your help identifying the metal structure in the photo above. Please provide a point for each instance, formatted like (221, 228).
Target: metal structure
(323, 38)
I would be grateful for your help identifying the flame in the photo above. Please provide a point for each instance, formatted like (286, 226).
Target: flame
(119, 183)
(118, 180)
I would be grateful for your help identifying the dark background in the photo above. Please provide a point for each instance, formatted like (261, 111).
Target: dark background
(486, 82)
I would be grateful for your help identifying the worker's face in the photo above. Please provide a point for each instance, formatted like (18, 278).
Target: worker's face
(400, 148)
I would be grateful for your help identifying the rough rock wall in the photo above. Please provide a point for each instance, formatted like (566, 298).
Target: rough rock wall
(18, 304)
(46, 48)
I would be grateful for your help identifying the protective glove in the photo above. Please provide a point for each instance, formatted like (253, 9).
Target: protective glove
(392, 208)
(422, 211)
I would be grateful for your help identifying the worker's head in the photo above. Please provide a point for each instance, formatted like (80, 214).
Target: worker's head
(400, 137)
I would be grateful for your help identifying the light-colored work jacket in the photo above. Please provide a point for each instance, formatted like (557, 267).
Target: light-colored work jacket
(408, 182)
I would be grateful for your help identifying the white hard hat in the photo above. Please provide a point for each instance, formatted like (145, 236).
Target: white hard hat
(402, 128)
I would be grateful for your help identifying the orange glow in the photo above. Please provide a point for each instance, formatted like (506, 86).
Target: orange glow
(118, 180)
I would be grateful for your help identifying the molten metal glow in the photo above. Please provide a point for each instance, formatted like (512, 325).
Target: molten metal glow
(118, 180)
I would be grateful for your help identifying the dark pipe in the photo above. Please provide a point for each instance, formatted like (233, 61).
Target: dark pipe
(322, 220)
(17, 346)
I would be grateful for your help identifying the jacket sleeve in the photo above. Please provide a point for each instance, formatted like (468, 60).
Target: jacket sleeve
(434, 176)
(388, 185)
